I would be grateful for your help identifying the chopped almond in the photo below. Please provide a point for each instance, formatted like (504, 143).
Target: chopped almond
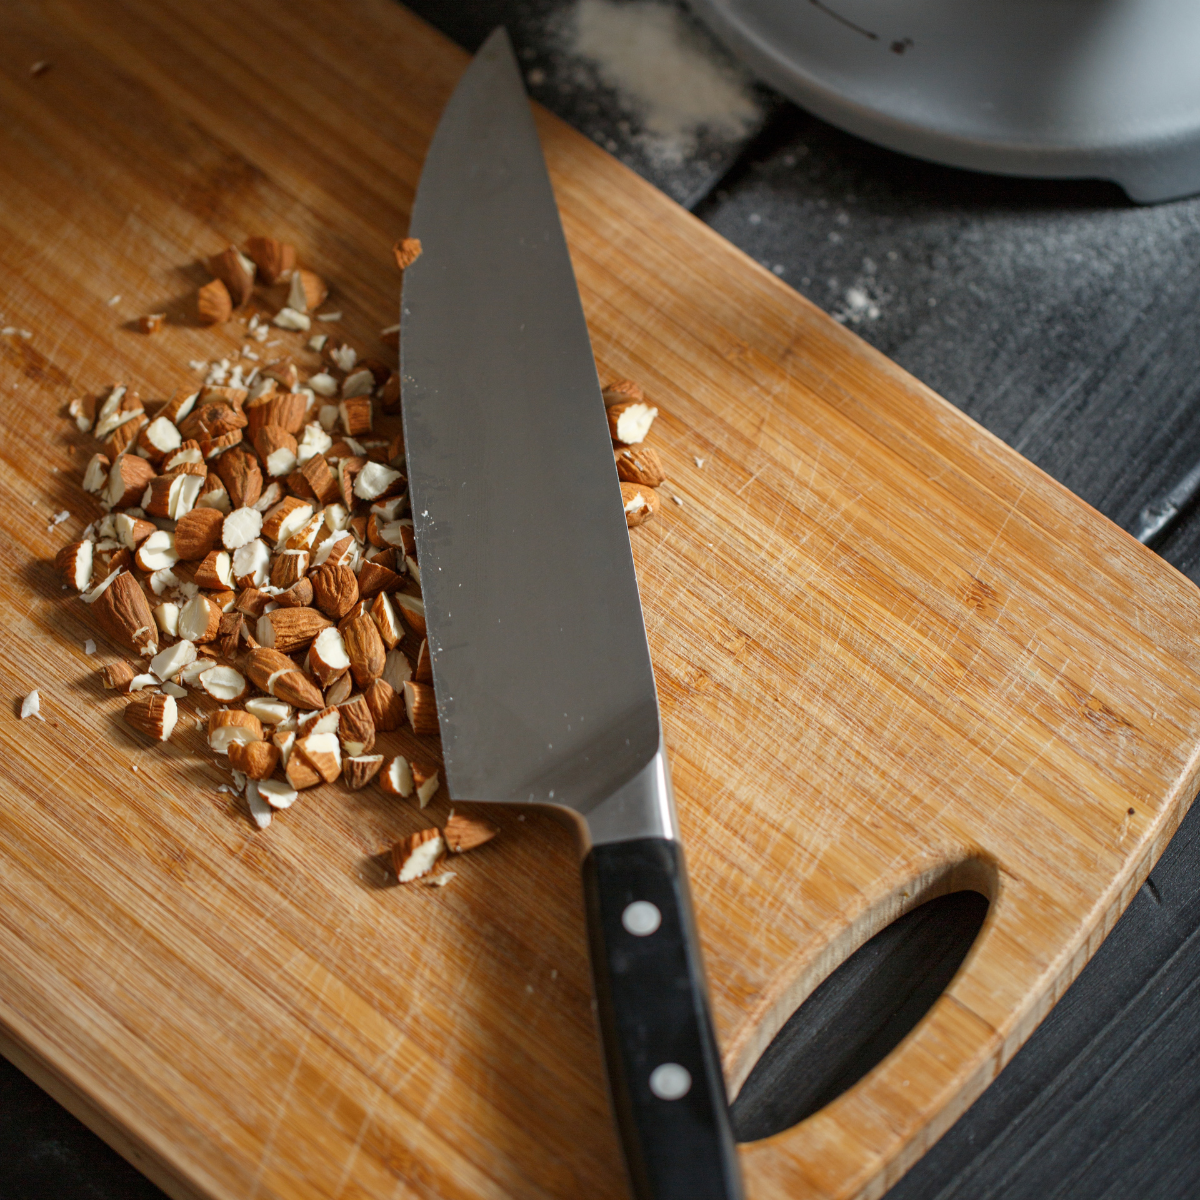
(274, 259)
(232, 725)
(640, 503)
(255, 760)
(467, 833)
(74, 564)
(407, 251)
(417, 855)
(153, 714)
(224, 684)
(213, 303)
(359, 769)
(117, 676)
(335, 590)
(397, 779)
(630, 421)
(425, 781)
(640, 464)
(421, 706)
(623, 391)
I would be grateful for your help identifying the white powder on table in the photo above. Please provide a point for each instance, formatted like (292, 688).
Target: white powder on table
(663, 73)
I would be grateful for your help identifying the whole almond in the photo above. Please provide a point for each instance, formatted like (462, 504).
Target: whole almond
(335, 590)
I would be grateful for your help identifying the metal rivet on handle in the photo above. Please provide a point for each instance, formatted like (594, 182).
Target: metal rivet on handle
(670, 1081)
(641, 918)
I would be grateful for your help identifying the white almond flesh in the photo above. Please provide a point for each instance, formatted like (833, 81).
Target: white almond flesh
(139, 682)
(170, 716)
(186, 407)
(344, 357)
(224, 684)
(426, 790)
(96, 475)
(173, 689)
(100, 588)
(194, 618)
(390, 532)
(335, 549)
(31, 706)
(304, 537)
(183, 495)
(223, 566)
(289, 318)
(314, 441)
(634, 423)
(389, 509)
(285, 745)
(271, 496)
(281, 462)
(252, 564)
(225, 735)
(189, 454)
(163, 435)
(319, 722)
(413, 569)
(242, 525)
(190, 675)
(328, 656)
(293, 523)
(218, 498)
(277, 793)
(81, 568)
(337, 517)
(373, 480)
(166, 617)
(322, 742)
(268, 710)
(357, 383)
(260, 809)
(157, 552)
(163, 580)
(327, 414)
(166, 664)
(389, 627)
(323, 384)
(399, 776)
(421, 861)
(397, 671)
(124, 530)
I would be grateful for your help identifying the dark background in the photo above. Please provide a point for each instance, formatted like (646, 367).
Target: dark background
(1064, 319)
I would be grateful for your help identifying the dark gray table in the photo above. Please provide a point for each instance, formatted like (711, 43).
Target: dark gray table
(1066, 321)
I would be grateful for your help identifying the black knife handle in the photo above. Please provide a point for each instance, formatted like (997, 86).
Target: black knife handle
(664, 1071)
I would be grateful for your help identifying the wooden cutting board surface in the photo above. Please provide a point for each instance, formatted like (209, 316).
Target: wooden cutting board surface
(894, 658)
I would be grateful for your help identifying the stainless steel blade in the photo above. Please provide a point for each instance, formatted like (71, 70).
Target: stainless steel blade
(540, 663)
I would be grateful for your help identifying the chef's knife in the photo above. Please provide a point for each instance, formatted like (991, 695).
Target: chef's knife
(542, 673)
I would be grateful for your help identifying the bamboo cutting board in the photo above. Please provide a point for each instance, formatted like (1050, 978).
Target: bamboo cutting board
(894, 659)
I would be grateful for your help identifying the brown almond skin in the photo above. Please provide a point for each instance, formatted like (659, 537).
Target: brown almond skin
(206, 573)
(117, 676)
(124, 612)
(421, 705)
(213, 303)
(387, 709)
(407, 251)
(285, 409)
(339, 690)
(640, 464)
(198, 534)
(227, 267)
(374, 577)
(299, 595)
(467, 833)
(254, 759)
(365, 649)
(359, 771)
(622, 391)
(262, 663)
(335, 590)
(300, 774)
(356, 723)
(272, 257)
(239, 471)
(145, 713)
(321, 479)
(295, 628)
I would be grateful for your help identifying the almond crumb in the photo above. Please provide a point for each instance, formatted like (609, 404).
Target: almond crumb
(151, 322)
(407, 251)
(31, 706)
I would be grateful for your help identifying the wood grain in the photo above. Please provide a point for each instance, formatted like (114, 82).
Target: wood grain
(894, 660)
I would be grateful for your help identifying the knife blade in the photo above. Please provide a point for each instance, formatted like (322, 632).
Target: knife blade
(545, 690)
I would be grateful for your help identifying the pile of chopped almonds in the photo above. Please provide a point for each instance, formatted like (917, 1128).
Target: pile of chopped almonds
(254, 552)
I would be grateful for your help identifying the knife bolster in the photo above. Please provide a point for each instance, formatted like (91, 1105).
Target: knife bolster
(643, 808)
